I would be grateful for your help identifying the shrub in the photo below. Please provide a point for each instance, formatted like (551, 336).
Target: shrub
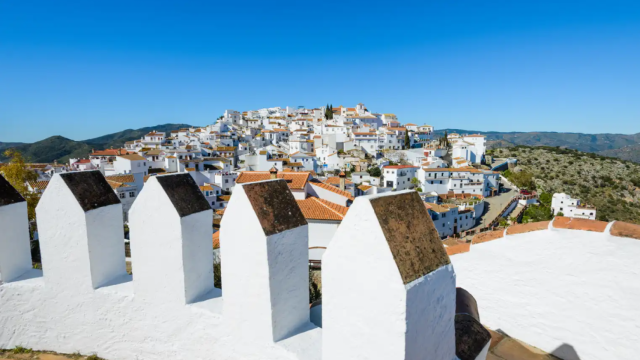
(21, 350)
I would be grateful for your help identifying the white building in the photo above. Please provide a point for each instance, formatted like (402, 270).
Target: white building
(449, 219)
(399, 176)
(570, 207)
(459, 181)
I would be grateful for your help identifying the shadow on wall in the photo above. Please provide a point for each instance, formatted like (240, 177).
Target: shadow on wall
(566, 352)
(505, 347)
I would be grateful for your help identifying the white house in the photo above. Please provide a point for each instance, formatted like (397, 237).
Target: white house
(449, 219)
(570, 207)
(399, 176)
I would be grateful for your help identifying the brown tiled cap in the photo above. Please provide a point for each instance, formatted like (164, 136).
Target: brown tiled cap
(8, 194)
(466, 304)
(525, 228)
(275, 206)
(487, 236)
(184, 193)
(624, 229)
(471, 337)
(414, 242)
(561, 222)
(90, 189)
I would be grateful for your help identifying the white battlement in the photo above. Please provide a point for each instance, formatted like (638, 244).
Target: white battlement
(389, 287)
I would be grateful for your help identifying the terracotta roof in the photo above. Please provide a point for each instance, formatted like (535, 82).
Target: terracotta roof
(399, 166)
(209, 187)
(132, 157)
(39, 185)
(224, 198)
(320, 209)
(295, 180)
(364, 187)
(114, 184)
(331, 188)
(335, 180)
(121, 178)
(110, 152)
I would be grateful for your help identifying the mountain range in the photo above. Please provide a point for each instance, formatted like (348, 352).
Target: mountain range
(622, 146)
(61, 149)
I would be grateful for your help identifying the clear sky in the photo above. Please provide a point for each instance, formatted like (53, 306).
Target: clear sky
(82, 69)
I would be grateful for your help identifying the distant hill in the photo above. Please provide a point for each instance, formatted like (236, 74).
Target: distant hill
(61, 149)
(622, 146)
(5, 145)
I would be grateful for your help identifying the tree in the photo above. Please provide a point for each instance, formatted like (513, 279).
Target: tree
(374, 171)
(415, 181)
(407, 141)
(328, 112)
(18, 175)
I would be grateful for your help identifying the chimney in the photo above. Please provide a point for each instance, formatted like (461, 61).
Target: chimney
(343, 180)
(273, 172)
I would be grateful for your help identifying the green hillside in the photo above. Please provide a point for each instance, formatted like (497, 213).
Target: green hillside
(61, 149)
(611, 184)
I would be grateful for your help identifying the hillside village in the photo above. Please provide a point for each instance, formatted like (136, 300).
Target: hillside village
(328, 156)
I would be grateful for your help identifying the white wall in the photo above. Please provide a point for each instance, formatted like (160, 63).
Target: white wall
(320, 234)
(15, 252)
(555, 288)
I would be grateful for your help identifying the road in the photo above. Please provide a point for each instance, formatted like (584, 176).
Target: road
(495, 204)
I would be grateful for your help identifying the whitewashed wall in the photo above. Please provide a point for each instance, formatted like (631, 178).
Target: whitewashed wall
(572, 293)
(84, 301)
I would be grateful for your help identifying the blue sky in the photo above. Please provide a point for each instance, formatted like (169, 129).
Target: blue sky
(82, 69)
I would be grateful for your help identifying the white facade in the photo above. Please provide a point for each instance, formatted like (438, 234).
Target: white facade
(398, 176)
(570, 207)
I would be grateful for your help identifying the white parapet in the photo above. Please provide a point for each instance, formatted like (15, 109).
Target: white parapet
(388, 285)
(389, 290)
(81, 231)
(171, 229)
(264, 245)
(15, 252)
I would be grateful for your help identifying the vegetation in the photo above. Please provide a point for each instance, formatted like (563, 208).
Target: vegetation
(328, 112)
(374, 171)
(521, 179)
(16, 172)
(314, 289)
(626, 147)
(415, 182)
(21, 350)
(407, 141)
(609, 184)
(61, 149)
(315, 292)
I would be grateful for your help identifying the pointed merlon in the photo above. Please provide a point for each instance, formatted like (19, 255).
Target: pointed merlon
(471, 337)
(184, 194)
(8, 194)
(275, 206)
(411, 235)
(91, 189)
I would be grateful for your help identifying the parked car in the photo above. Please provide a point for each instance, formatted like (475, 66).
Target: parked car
(525, 192)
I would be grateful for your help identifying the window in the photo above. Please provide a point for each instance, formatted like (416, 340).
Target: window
(226, 181)
(132, 194)
(122, 195)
